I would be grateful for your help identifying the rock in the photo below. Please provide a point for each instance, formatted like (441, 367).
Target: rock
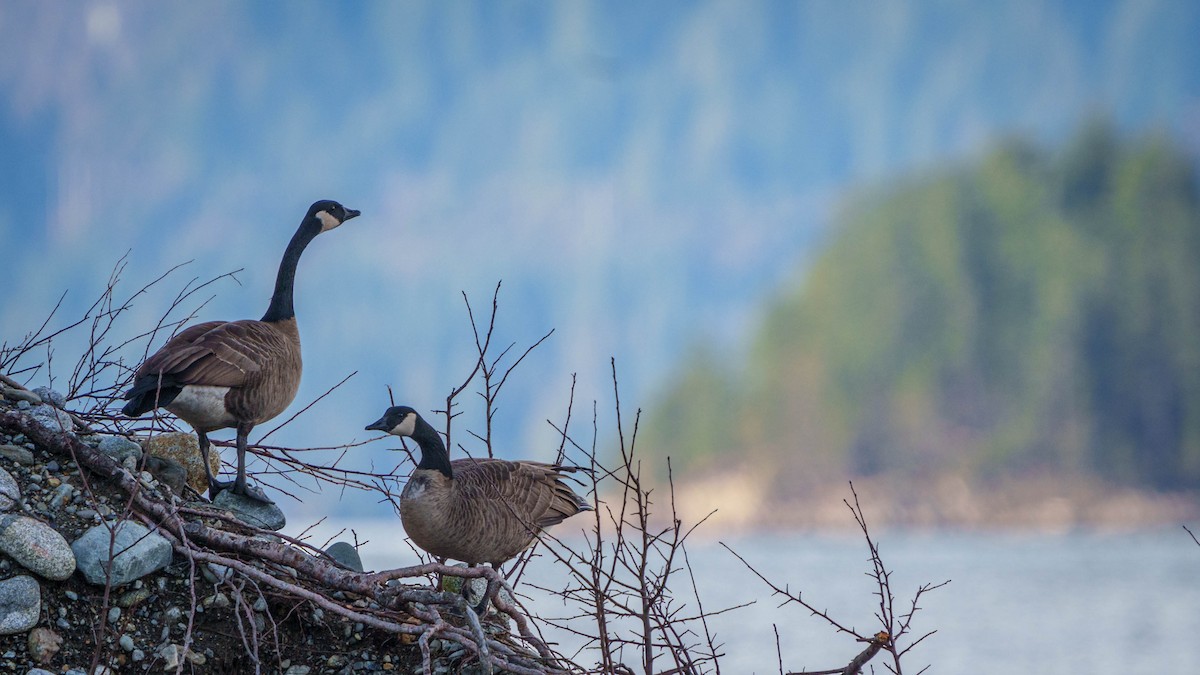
(36, 546)
(137, 655)
(17, 454)
(20, 604)
(297, 670)
(183, 449)
(43, 645)
(10, 494)
(215, 574)
(136, 552)
(119, 448)
(48, 395)
(345, 554)
(20, 395)
(217, 600)
(38, 671)
(134, 597)
(49, 416)
(126, 642)
(61, 494)
(172, 654)
(168, 472)
(251, 511)
(114, 614)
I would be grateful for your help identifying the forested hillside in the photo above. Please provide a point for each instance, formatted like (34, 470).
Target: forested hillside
(1033, 310)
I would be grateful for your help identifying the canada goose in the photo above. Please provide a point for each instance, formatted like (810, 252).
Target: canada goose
(222, 374)
(476, 510)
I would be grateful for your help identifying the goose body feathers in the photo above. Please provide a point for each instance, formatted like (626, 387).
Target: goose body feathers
(476, 510)
(218, 373)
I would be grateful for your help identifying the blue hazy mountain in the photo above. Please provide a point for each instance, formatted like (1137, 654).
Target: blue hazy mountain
(639, 175)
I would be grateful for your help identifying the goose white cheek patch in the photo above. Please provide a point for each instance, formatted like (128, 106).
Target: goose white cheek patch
(328, 222)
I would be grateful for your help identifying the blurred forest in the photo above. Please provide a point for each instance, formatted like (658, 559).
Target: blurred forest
(1031, 311)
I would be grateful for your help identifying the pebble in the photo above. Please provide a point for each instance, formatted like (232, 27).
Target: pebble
(297, 670)
(126, 642)
(71, 595)
(218, 600)
(133, 598)
(137, 655)
(61, 494)
(43, 644)
(20, 604)
(38, 671)
(10, 494)
(137, 552)
(36, 546)
(114, 614)
(167, 471)
(63, 624)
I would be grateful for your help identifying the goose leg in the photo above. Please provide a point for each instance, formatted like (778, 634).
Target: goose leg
(239, 485)
(214, 485)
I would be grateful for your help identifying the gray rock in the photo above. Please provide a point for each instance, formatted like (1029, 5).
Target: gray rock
(126, 642)
(345, 554)
(20, 604)
(20, 395)
(49, 416)
(36, 546)
(168, 472)
(250, 511)
(119, 448)
(114, 614)
(17, 454)
(10, 494)
(38, 671)
(137, 655)
(297, 670)
(61, 494)
(50, 396)
(136, 552)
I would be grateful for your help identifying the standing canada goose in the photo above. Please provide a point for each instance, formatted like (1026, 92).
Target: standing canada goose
(222, 374)
(476, 510)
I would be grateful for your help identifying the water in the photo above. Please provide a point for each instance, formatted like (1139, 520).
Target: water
(1016, 603)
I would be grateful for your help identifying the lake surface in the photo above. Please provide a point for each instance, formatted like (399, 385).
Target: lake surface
(1016, 603)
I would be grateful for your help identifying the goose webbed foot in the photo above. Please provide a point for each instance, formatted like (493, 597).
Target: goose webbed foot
(252, 492)
(216, 486)
(248, 491)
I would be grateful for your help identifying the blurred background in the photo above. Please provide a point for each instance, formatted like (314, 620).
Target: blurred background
(947, 249)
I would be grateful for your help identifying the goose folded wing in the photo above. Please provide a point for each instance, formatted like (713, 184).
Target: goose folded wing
(221, 354)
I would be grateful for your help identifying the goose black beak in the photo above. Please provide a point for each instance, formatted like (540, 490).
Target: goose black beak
(378, 425)
(351, 213)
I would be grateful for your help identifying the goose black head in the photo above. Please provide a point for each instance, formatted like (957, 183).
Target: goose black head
(331, 214)
(399, 420)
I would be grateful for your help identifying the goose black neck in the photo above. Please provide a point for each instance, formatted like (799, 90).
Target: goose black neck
(281, 300)
(433, 451)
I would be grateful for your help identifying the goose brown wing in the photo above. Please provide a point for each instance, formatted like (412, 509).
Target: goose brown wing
(533, 491)
(216, 353)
